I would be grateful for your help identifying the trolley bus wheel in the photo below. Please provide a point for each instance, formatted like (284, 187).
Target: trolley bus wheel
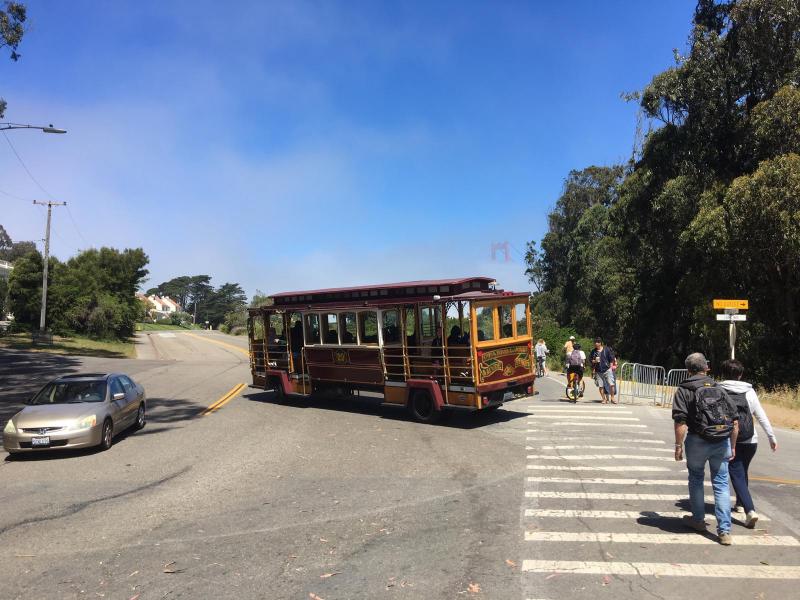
(423, 408)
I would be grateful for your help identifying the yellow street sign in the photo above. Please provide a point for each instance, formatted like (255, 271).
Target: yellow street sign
(740, 304)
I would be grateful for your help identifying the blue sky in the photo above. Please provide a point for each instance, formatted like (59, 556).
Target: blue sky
(289, 145)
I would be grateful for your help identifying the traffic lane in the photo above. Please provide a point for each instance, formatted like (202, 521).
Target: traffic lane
(386, 501)
(177, 389)
(195, 347)
(24, 373)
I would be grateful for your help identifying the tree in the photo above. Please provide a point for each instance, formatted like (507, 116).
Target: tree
(709, 209)
(12, 18)
(25, 289)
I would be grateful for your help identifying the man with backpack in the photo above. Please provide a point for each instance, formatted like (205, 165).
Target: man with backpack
(602, 358)
(704, 410)
(747, 403)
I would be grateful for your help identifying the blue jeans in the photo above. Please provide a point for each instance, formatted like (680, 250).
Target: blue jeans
(739, 477)
(716, 454)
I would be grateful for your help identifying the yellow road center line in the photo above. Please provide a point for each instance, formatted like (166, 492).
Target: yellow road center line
(219, 343)
(224, 400)
(777, 480)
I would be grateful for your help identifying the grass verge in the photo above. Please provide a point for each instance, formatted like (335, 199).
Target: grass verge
(77, 345)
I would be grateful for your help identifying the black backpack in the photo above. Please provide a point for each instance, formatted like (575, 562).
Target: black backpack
(712, 419)
(746, 427)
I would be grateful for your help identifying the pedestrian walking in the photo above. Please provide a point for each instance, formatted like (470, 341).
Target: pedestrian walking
(541, 351)
(748, 405)
(602, 360)
(706, 422)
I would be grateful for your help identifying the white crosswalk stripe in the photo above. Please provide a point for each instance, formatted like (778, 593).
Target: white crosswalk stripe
(584, 417)
(610, 496)
(662, 569)
(582, 411)
(587, 424)
(603, 481)
(532, 438)
(632, 515)
(621, 469)
(586, 433)
(670, 450)
(689, 537)
(599, 457)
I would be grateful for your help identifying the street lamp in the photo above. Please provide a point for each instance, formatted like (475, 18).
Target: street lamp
(45, 129)
(50, 205)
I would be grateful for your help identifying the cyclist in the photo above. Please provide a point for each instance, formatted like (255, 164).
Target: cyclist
(575, 363)
(541, 354)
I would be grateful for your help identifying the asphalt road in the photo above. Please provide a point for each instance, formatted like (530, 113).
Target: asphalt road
(329, 498)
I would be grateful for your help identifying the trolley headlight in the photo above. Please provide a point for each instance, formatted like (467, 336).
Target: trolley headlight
(9, 428)
(86, 422)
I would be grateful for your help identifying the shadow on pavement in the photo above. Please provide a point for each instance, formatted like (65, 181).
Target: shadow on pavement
(458, 419)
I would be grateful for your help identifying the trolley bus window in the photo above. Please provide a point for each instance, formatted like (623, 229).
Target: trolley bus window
(330, 323)
(347, 323)
(391, 327)
(522, 319)
(506, 327)
(368, 327)
(411, 326)
(428, 319)
(484, 317)
(312, 329)
(258, 328)
(276, 333)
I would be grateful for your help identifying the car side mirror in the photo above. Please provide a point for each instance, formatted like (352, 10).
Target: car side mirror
(118, 396)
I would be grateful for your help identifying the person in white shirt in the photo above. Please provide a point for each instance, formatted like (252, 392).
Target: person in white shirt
(746, 400)
(541, 352)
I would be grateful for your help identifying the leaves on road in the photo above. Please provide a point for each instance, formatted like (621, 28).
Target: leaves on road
(511, 563)
(326, 575)
(168, 568)
(474, 588)
(313, 596)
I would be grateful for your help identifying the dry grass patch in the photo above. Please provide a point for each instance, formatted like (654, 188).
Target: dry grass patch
(782, 405)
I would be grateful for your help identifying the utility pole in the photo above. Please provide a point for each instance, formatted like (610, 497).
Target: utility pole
(49, 206)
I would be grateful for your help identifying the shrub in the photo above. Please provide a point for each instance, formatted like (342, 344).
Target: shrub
(238, 330)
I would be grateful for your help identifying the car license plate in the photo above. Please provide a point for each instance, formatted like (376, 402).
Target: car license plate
(40, 441)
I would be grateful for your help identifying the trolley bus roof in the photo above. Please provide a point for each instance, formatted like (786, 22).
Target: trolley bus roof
(467, 288)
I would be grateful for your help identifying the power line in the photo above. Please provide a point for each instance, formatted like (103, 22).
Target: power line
(41, 187)
(15, 197)
(75, 225)
(24, 166)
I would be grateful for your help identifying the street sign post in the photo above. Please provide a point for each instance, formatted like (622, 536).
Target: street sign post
(732, 316)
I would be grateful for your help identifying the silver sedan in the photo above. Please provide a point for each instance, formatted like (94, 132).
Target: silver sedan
(77, 411)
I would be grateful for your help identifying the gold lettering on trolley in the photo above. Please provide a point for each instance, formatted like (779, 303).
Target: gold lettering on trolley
(509, 351)
(523, 360)
(340, 357)
(490, 367)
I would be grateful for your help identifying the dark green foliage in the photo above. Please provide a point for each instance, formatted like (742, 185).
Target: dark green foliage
(92, 293)
(25, 288)
(12, 19)
(711, 208)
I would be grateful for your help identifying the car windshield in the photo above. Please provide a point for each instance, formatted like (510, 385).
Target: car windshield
(71, 392)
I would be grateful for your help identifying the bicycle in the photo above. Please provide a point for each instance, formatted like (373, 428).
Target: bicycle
(575, 386)
(539, 366)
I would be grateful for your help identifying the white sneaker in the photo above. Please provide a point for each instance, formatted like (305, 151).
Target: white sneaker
(752, 519)
(738, 508)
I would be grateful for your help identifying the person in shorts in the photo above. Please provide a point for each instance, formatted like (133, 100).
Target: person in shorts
(602, 359)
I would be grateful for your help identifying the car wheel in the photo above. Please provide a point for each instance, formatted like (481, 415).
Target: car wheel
(423, 409)
(107, 437)
(141, 417)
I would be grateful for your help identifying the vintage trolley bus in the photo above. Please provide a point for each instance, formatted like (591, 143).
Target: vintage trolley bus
(427, 345)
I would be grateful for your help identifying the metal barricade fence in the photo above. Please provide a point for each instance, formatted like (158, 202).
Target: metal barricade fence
(641, 381)
(671, 382)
